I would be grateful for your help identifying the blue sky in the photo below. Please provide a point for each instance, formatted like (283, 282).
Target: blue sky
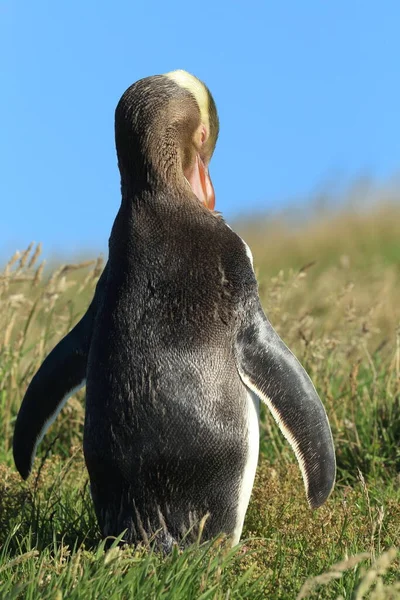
(307, 92)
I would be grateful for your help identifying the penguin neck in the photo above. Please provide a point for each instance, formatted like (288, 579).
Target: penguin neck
(144, 183)
(147, 208)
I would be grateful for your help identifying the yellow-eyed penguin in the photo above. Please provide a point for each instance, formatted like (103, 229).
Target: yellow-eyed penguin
(175, 349)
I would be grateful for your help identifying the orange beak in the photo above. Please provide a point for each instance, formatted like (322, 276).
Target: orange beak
(201, 184)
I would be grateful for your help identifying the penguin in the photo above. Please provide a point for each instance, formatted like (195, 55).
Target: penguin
(175, 349)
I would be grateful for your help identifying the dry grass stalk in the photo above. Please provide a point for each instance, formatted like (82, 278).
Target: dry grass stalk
(35, 256)
(373, 577)
(18, 560)
(335, 572)
(24, 257)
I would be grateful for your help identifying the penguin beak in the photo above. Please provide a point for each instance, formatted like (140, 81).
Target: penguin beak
(201, 184)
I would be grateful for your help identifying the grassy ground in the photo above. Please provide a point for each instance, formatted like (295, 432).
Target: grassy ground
(331, 288)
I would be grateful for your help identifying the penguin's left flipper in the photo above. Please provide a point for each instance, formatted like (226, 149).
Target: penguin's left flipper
(268, 368)
(62, 373)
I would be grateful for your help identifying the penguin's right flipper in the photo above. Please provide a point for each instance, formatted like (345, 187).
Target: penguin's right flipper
(62, 373)
(268, 368)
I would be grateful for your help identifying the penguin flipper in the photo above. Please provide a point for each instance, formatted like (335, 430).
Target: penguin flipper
(62, 373)
(269, 369)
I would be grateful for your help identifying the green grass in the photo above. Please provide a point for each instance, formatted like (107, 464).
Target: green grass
(331, 288)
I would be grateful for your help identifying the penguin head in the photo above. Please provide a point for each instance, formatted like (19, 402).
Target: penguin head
(166, 128)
